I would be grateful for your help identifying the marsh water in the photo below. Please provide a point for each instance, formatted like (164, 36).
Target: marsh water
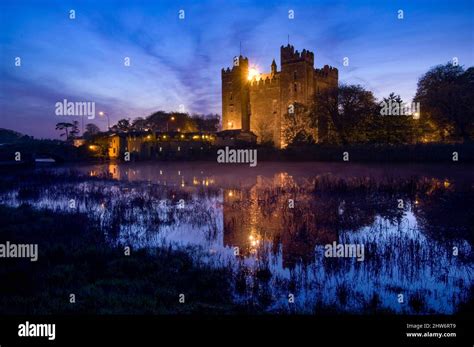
(271, 224)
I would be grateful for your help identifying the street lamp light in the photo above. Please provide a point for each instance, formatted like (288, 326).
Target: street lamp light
(167, 123)
(102, 113)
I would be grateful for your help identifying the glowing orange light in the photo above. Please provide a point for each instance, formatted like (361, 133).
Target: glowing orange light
(253, 73)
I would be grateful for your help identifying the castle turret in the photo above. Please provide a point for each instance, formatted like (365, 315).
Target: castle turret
(274, 68)
(261, 105)
(235, 96)
(289, 55)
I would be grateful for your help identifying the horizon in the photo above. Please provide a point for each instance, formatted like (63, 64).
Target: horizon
(176, 63)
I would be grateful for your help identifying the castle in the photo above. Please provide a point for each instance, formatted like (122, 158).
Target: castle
(256, 103)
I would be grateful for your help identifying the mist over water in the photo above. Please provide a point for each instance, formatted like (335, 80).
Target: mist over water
(242, 219)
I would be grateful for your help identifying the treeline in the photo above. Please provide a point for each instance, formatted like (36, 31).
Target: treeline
(158, 121)
(442, 111)
(170, 121)
(166, 121)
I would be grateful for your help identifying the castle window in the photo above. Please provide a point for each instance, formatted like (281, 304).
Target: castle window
(231, 96)
(294, 75)
(296, 87)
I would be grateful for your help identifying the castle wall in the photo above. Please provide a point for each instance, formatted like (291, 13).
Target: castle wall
(265, 109)
(261, 105)
(324, 78)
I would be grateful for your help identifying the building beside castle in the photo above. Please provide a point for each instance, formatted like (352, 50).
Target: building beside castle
(257, 102)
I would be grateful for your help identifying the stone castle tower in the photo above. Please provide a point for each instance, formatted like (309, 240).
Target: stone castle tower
(259, 104)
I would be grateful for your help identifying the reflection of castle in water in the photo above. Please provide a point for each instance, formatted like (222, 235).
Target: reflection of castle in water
(252, 211)
(264, 214)
(257, 214)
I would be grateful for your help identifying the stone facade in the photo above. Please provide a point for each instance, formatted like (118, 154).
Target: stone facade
(158, 145)
(259, 104)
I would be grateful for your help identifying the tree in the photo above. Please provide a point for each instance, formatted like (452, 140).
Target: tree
(139, 124)
(74, 130)
(343, 114)
(64, 126)
(296, 126)
(171, 121)
(124, 125)
(69, 134)
(208, 122)
(394, 127)
(446, 94)
(92, 129)
(263, 128)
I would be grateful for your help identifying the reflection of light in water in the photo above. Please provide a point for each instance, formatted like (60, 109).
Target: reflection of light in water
(114, 171)
(396, 265)
(253, 241)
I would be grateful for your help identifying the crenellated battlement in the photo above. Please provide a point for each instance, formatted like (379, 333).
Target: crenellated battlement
(289, 55)
(257, 102)
(327, 72)
(267, 80)
(242, 66)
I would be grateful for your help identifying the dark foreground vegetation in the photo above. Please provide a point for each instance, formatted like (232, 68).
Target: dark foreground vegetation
(75, 259)
(78, 252)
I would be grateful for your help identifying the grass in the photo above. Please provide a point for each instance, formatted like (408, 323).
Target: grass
(75, 259)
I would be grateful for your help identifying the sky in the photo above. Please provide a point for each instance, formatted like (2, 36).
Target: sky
(176, 63)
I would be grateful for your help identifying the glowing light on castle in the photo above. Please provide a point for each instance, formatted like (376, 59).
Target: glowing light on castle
(257, 108)
(253, 73)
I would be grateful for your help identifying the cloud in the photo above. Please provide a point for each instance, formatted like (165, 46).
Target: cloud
(178, 62)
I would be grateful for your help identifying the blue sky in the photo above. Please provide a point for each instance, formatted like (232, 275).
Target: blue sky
(178, 62)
